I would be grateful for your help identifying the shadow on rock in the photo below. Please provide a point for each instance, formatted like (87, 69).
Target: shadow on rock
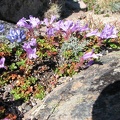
(107, 106)
(72, 6)
(12, 12)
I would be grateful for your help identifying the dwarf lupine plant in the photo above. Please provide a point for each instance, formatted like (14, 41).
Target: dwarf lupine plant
(16, 35)
(1, 28)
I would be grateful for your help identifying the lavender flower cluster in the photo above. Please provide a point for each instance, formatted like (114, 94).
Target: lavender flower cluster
(65, 28)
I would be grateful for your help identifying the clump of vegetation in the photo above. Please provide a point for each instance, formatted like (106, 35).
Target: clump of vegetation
(115, 6)
(103, 6)
(32, 62)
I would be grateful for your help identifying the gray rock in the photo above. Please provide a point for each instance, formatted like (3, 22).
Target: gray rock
(76, 4)
(92, 94)
(28, 107)
(13, 10)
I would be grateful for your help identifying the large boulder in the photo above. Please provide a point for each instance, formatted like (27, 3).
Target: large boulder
(92, 94)
(13, 10)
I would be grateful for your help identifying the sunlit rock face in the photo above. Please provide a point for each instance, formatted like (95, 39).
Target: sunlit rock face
(13, 10)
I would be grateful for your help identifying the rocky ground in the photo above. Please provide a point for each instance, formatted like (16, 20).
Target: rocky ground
(92, 94)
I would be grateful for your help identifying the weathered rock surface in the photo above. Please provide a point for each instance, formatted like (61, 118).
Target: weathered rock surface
(93, 94)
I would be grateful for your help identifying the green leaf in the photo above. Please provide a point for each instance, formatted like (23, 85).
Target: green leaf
(21, 63)
(18, 53)
(114, 46)
(13, 66)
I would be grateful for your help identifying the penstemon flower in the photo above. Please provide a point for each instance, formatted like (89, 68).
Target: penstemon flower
(84, 28)
(67, 25)
(93, 33)
(23, 23)
(34, 22)
(108, 32)
(91, 55)
(49, 23)
(30, 48)
(2, 62)
(31, 23)
(50, 32)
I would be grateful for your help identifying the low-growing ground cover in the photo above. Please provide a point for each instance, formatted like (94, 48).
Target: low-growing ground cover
(32, 60)
(103, 6)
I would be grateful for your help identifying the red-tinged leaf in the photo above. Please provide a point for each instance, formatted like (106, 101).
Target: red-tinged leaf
(1, 54)
(29, 62)
(13, 76)
(2, 109)
(11, 117)
(56, 44)
(30, 89)
(22, 68)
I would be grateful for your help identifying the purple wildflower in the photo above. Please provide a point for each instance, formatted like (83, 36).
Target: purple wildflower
(1, 28)
(75, 27)
(6, 119)
(50, 31)
(91, 62)
(17, 35)
(31, 53)
(67, 28)
(30, 23)
(33, 21)
(93, 33)
(57, 25)
(108, 32)
(91, 55)
(2, 61)
(22, 23)
(84, 28)
(67, 25)
(30, 48)
(53, 18)
(33, 42)
(47, 23)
